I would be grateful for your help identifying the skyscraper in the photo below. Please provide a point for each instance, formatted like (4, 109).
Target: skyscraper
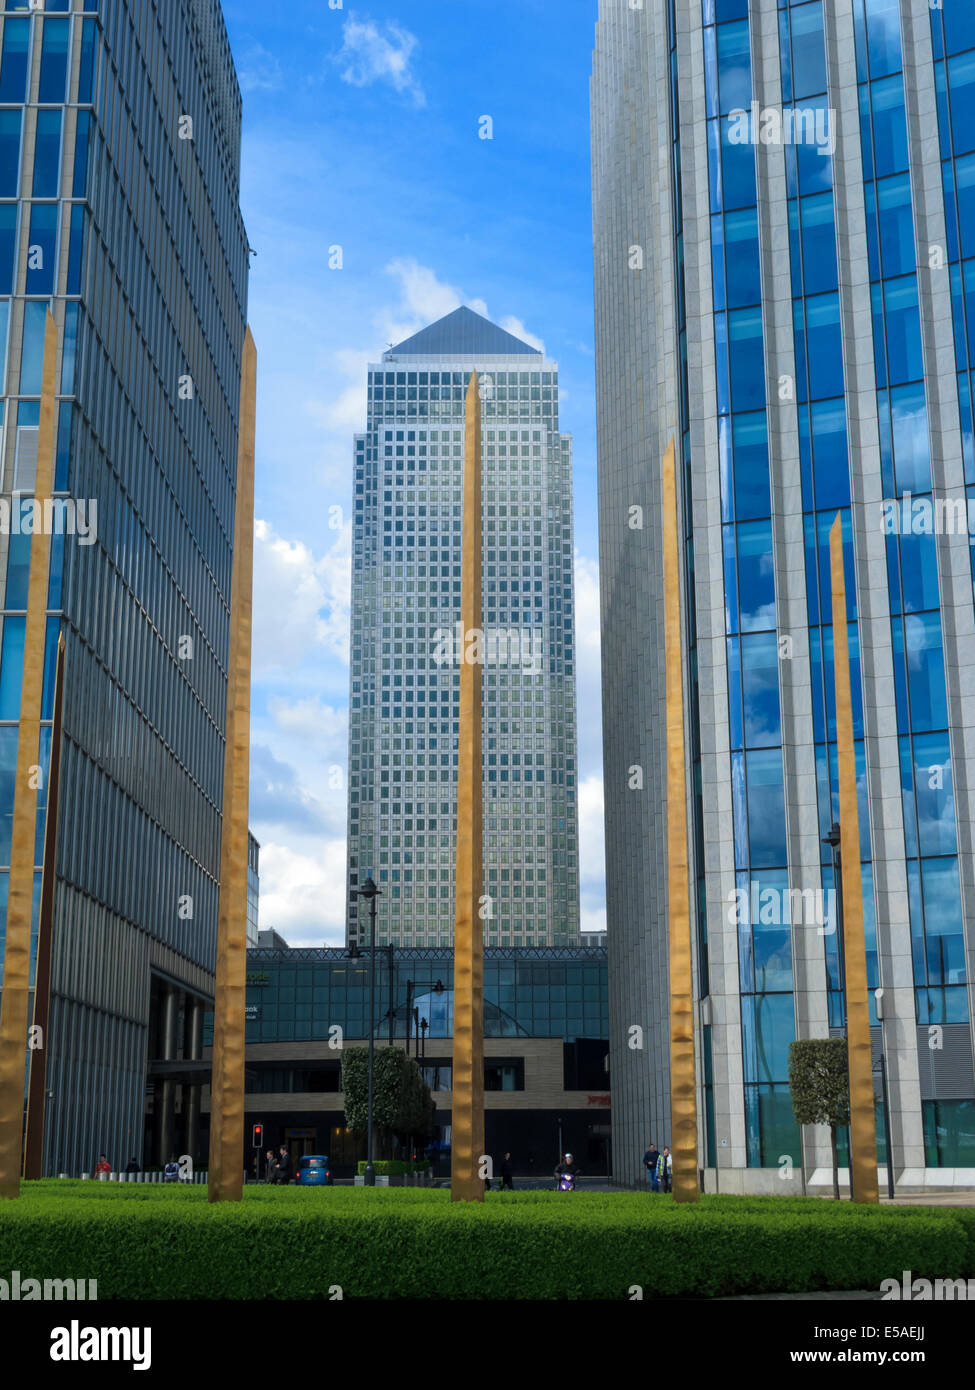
(406, 646)
(782, 215)
(119, 183)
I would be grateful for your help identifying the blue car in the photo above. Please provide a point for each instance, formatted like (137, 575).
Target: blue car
(314, 1171)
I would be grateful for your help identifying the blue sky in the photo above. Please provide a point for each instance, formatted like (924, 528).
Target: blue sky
(361, 132)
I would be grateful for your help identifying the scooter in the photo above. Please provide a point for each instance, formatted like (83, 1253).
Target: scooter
(567, 1182)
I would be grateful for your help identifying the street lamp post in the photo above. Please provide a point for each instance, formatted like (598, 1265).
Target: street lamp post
(390, 962)
(370, 892)
(410, 987)
(881, 1066)
(833, 840)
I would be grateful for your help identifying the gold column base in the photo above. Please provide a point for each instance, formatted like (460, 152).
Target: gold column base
(467, 1098)
(683, 1091)
(863, 1119)
(226, 1170)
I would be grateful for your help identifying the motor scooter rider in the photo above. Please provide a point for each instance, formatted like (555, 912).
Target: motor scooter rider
(569, 1170)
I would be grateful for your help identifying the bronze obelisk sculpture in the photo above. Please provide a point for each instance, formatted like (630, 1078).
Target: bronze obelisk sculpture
(467, 1099)
(683, 1096)
(37, 1076)
(863, 1120)
(226, 1174)
(16, 971)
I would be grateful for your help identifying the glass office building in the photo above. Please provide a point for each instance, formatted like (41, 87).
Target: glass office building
(299, 994)
(404, 683)
(545, 1064)
(783, 220)
(119, 183)
(253, 889)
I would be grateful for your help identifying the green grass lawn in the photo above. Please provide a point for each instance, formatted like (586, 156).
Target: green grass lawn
(154, 1241)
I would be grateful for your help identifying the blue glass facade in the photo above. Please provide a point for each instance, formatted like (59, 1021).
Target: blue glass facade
(299, 995)
(125, 219)
(787, 329)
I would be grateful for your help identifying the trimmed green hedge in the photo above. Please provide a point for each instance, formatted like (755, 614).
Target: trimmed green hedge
(156, 1243)
(385, 1167)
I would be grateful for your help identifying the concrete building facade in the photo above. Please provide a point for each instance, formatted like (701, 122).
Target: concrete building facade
(782, 214)
(406, 646)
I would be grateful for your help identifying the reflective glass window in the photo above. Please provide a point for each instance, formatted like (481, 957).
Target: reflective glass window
(32, 360)
(11, 667)
(904, 357)
(734, 67)
(961, 87)
(42, 249)
(756, 577)
(896, 225)
(13, 60)
(54, 60)
(747, 359)
(808, 51)
(744, 276)
(883, 36)
(889, 149)
(750, 465)
(767, 1029)
(760, 685)
(47, 155)
(10, 128)
(766, 809)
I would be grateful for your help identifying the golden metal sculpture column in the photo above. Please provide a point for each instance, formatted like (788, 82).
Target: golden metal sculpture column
(863, 1121)
(16, 971)
(467, 1099)
(226, 1172)
(683, 1091)
(38, 1059)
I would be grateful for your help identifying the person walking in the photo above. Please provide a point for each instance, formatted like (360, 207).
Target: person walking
(665, 1171)
(270, 1165)
(171, 1170)
(506, 1181)
(102, 1168)
(282, 1169)
(650, 1163)
(133, 1165)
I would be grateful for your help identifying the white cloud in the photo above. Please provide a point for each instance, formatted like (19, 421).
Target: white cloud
(303, 895)
(422, 300)
(258, 71)
(592, 861)
(300, 602)
(588, 683)
(373, 56)
(515, 326)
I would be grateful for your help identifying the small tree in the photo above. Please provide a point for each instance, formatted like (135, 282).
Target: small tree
(819, 1081)
(401, 1100)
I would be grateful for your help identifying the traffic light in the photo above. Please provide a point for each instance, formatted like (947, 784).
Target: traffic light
(257, 1136)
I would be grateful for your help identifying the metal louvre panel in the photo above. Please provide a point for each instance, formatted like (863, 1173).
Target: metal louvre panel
(948, 1072)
